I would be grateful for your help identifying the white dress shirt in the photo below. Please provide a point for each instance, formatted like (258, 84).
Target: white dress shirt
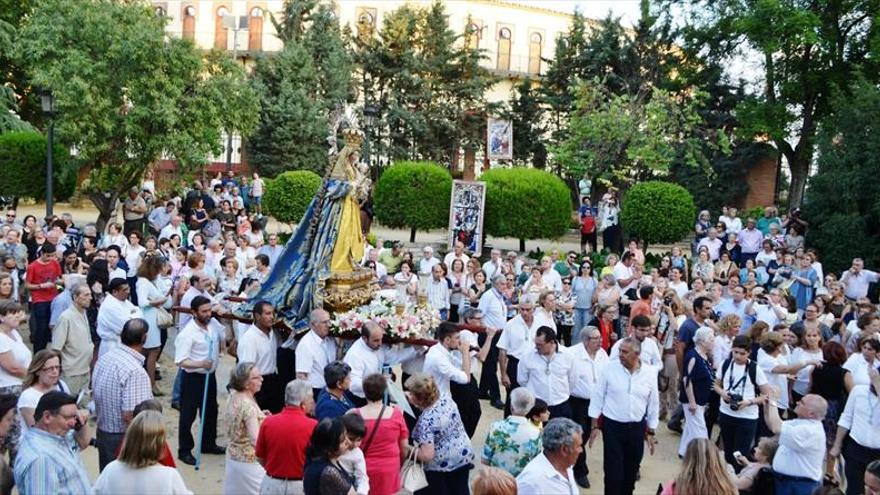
(426, 265)
(623, 272)
(440, 364)
(544, 318)
(197, 343)
(184, 318)
(450, 256)
(491, 269)
(540, 478)
(587, 369)
(861, 417)
(493, 308)
(856, 286)
(313, 353)
(365, 361)
(256, 347)
(552, 278)
(780, 380)
(550, 378)
(517, 338)
(112, 316)
(650, 354)
(858, 366)
(627, 397)
(801, 449)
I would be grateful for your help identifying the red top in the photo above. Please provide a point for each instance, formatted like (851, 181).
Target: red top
(40, 273)
(282, 440)
(639, 307)
(383, 454)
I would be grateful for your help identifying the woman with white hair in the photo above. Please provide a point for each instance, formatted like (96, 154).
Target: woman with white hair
(696, 387)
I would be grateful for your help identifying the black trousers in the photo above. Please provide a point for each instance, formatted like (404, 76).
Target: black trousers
(271, 395)
(579, 414)
(40, 333)
(512, 365)
(192, 388)
(489, 386)
(108, 445)
(623, 447)
(467, 398)
(561, 410)
(285, 360)
(738, 434)
(857, 459)
(447, 483)
(129, 226)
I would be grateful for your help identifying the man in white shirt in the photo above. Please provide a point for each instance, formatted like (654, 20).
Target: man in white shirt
(589, 361)
(438, 291)
(858, 431)
(494, 315)
(259, 345)
(197, 351)
(550, 472)
(428, 261)
(548, 373)
(492, 267)
(457, 253)
(650, 354)
(800, 460)
(731, 221)
(856, 280)
(173, 228)
(515, 342)
(550, 276)
(367, 356)
(315, 350)
(439, 362)
(625, 274)
(712, 243)
(272, 249)
(114, 254)
(628, 400)
(113, 313)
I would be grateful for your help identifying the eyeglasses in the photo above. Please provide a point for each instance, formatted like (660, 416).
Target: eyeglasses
(566, 283)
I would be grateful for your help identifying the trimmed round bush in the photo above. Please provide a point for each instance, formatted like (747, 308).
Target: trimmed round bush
(23, 167)
(526, 203)
(413, 195)
(658, 212)
(289, 194)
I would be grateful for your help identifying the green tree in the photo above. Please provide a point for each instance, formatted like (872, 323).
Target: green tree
(807, 48)
(23, 167)
(292, 129)
(842, 202)
(288, 195)
(414, 195)
(561, 76)
(126, 93)
(658, 212)
(527, 116)
(525, 203)
(330, 57)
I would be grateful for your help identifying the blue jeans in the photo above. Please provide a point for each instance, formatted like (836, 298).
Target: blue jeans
(175, 389)
(582, 316)
(790, 485)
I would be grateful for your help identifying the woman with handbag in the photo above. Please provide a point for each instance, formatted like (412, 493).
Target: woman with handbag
(442, 443)
(386, 442)
(151, 299)
(323, 474)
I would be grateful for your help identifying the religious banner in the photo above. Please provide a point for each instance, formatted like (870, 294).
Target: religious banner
(499, 135)
(466, 210)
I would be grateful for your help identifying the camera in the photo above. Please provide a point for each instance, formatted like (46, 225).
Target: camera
(714, 316)
(667, 301)
(735, 400)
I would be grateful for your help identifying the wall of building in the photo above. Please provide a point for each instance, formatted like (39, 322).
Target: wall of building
(762, 183)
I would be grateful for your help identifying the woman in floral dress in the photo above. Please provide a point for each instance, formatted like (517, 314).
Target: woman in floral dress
(244, 473)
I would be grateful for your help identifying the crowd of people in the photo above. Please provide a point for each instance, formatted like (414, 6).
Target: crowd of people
(746, 332)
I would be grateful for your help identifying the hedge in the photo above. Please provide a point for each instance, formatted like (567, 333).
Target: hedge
(526, 203)
(288, 195)
(413, 195)
(658, 212)
(23, 167)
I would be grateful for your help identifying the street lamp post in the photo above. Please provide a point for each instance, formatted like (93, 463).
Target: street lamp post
(370, 114)
(234, 24)
(47, 101)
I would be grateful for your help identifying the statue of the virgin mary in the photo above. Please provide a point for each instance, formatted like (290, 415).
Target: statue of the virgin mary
(320, 263)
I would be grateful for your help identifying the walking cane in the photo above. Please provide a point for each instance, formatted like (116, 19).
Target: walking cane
(204, 405)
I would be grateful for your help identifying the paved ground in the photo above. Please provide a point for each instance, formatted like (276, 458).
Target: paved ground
(209, 479)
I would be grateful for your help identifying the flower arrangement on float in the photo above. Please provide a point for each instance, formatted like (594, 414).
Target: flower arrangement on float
(398, 320)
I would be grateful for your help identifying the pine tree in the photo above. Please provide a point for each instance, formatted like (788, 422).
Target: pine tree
(331, 59)
(526, 115)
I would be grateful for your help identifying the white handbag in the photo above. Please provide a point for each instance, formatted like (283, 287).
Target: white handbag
(412, 475)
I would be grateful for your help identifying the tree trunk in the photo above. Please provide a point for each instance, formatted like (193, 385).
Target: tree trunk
(106, 204)
(412, 235)
(522, 246)
(800, 171)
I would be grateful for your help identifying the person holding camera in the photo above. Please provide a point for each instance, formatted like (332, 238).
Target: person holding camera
(742, 385)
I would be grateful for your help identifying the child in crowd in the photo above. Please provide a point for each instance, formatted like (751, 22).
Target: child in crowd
(539, 414)
(764, 452)
(353, 461)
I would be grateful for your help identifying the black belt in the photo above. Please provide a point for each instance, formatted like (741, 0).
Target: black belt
(282, 478)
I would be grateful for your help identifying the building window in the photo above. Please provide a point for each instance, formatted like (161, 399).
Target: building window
(472, 36)
(255, 30)
(189, 22)
(366, 24)
(160, 11)
(535, 45)
(221, 34)
(504, 40)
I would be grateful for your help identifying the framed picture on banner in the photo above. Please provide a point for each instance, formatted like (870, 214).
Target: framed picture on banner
(466, 211)
(499, 139)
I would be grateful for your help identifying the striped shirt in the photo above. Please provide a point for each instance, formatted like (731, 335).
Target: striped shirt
(119, 383)
(48, 463)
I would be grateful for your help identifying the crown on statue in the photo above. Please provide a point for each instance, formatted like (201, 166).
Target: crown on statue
(353, 137)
